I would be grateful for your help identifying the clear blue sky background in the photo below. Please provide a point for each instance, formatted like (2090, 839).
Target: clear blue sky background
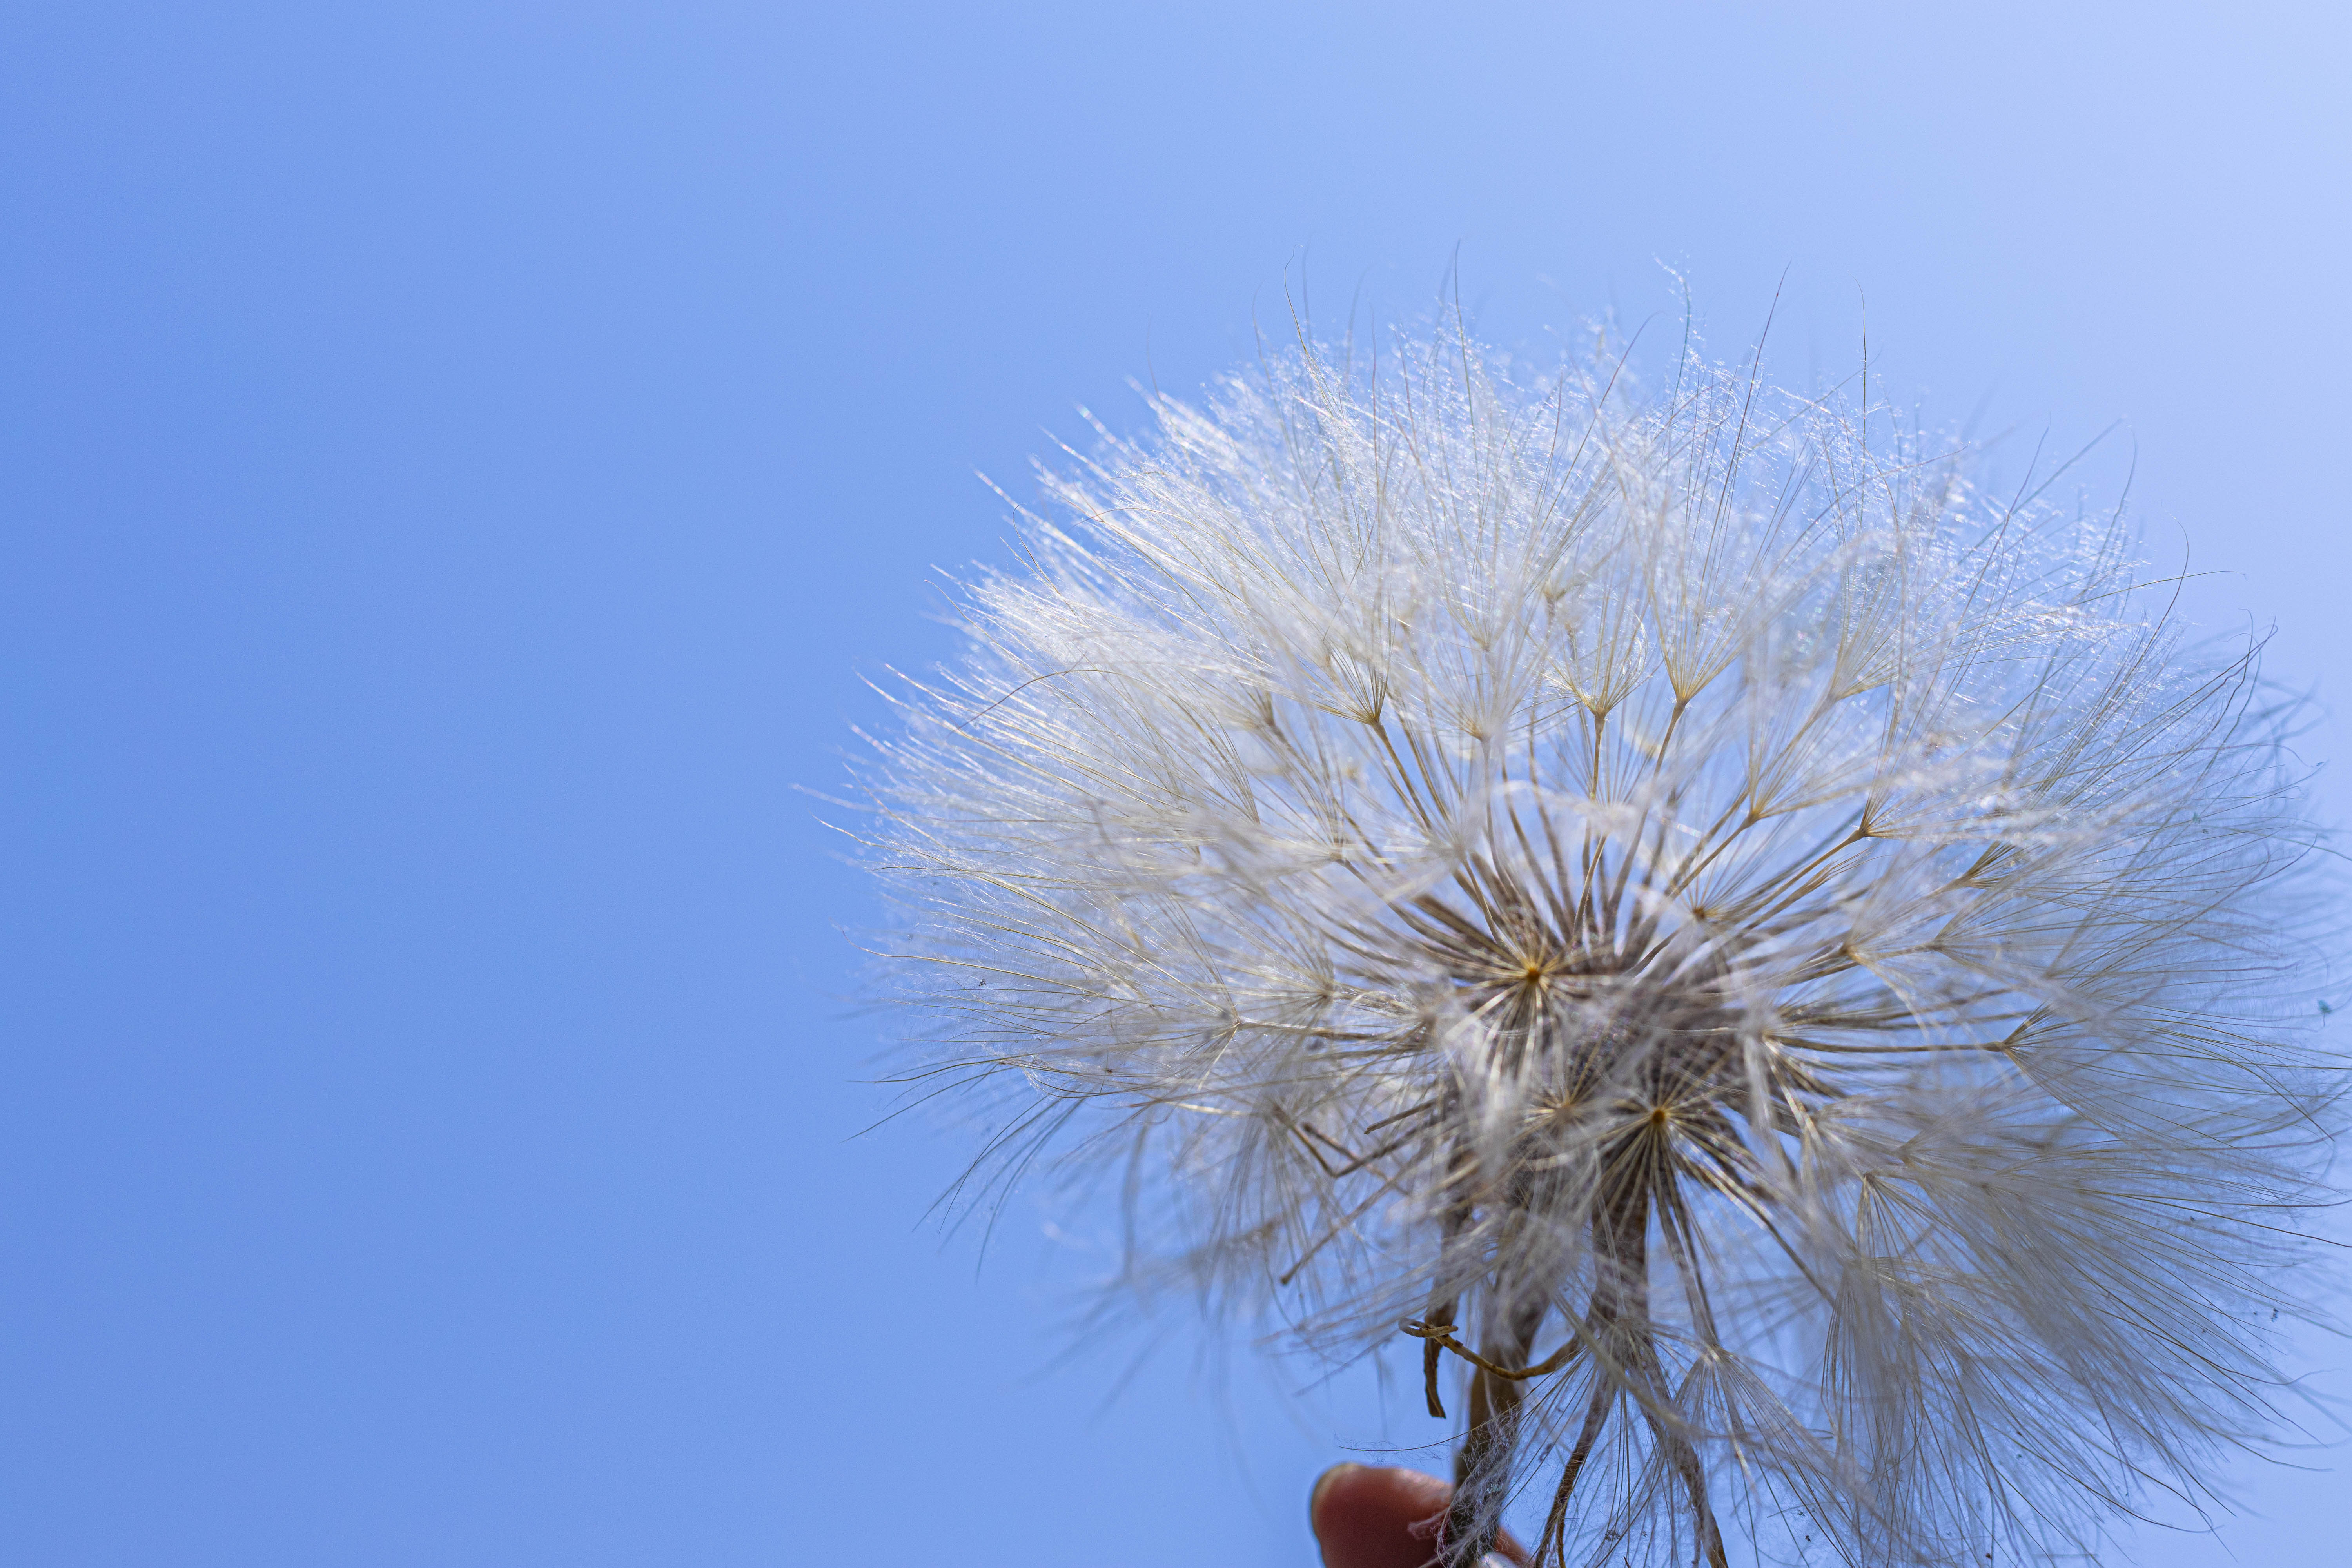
(455, 461)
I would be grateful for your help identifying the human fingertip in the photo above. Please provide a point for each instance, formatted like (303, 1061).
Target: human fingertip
(1323, 1483)
(1369, 1516)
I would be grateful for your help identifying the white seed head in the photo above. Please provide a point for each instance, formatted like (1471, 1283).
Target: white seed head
(1675, 891)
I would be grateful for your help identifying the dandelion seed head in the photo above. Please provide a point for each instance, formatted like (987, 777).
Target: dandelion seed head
(1677, 889)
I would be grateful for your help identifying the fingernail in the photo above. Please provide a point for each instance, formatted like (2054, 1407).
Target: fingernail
(1315, 1496)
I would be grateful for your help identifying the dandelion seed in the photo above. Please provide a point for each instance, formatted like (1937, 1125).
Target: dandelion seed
(1768, 964)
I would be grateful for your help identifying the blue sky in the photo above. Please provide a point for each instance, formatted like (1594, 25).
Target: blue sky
(458, 462)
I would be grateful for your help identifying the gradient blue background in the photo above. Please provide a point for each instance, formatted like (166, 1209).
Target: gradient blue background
(455, 461)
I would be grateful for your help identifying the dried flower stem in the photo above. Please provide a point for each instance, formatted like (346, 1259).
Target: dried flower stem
(1482, 1466)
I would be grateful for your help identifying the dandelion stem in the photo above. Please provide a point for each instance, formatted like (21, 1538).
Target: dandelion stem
(1482, 1467)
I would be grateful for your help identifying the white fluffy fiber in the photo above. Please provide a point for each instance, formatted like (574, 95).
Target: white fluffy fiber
(1673, 888)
